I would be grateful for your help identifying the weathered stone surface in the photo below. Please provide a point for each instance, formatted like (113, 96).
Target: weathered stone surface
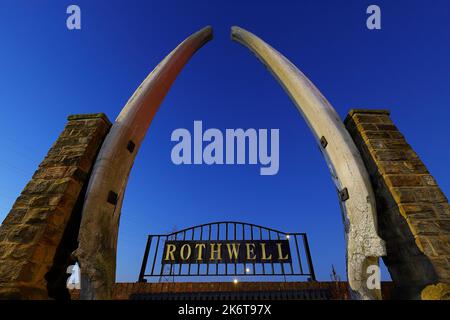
(440, 291)
(413, 212)
(35, 227)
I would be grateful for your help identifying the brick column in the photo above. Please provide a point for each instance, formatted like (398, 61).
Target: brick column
(43, 224)
(413, 213)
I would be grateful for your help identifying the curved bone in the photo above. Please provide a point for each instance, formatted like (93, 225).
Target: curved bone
(101, 211)
(364, 246)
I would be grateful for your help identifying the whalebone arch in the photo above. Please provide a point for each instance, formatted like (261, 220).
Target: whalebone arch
(102, 207)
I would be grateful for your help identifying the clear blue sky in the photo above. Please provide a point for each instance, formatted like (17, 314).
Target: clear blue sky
(48, 72)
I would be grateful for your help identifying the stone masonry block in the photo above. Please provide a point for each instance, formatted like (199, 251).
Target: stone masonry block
(413, 212)
(33, 230)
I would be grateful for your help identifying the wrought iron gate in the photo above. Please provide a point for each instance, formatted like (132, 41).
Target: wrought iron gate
(300, 263)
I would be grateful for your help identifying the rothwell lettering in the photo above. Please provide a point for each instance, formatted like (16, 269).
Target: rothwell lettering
(227, 251)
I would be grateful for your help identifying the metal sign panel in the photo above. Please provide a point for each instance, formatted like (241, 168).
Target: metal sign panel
(226, 251)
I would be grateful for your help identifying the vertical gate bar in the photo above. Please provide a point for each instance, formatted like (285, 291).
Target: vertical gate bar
(260, 238)
(298, 255)
(290, 252)
(243, 238)
(218, 238)
(198, 262)
(189, 264)
(273, 268)
(209, 239)
(226, 238)
(180, 269)
(308, 257)
(235, 237)
(145, 258)
(281, 263)
(251, 237)
(161, 271)
(172, 266)
(156, 255)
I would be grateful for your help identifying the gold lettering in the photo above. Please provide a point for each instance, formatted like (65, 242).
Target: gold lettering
(200, 247)
(280, 253)
(250, 251)
(182, 256)
(214, 251)
(233, 252)
(170, 249)
(264, 255)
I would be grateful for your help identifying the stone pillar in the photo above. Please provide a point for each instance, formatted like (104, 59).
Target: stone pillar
(42, 227)
(413, 213)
